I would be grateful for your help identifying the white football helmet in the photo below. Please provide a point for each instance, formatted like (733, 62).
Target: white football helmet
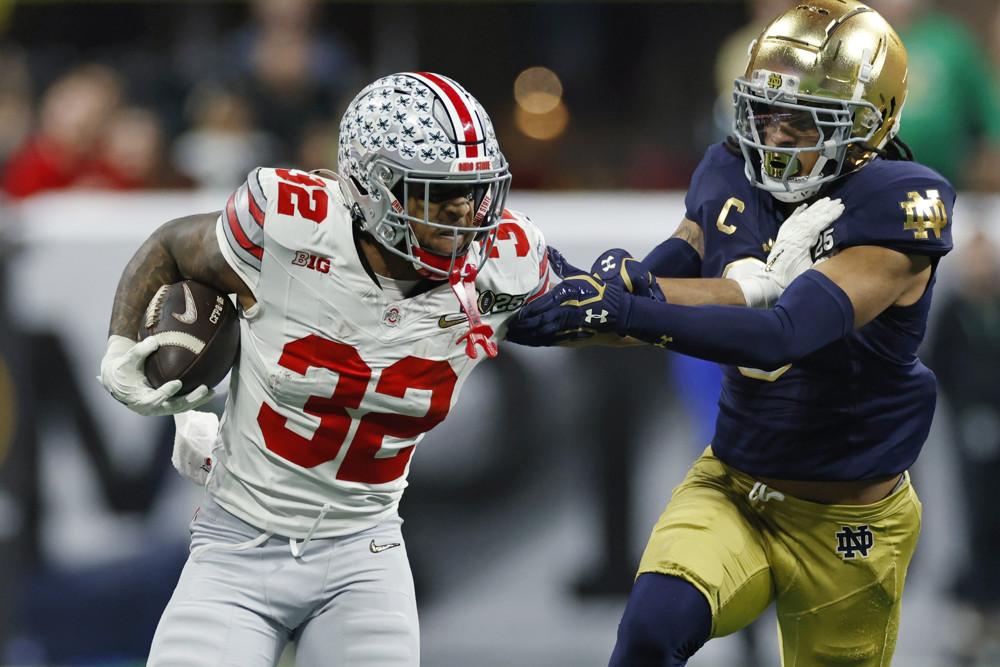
(830, 70)
(421, 135)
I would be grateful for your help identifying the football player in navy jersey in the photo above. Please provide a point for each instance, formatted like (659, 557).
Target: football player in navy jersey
(803, 498)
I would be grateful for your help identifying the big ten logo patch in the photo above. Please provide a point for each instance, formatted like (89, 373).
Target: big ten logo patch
(852, 542)
(311, 261)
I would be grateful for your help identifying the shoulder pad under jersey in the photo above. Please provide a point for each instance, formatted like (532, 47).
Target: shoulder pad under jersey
(268, 209)
(518, 262)
(719, 177)
(900, 205)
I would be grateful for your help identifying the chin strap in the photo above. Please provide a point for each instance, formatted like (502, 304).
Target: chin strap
(461, 280)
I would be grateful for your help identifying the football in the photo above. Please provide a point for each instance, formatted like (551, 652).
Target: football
(199, 334)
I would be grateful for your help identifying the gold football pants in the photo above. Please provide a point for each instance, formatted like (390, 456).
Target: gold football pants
(836, 572)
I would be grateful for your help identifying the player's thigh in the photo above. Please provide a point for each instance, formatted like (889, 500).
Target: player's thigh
(841, 579)
(370, 617)
(366, 627)
(707, 537)
(206, 629)
(218, 613)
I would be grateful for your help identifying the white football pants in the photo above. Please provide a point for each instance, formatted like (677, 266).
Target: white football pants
(346, 601)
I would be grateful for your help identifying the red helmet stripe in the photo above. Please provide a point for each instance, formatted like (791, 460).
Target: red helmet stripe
(473, 135)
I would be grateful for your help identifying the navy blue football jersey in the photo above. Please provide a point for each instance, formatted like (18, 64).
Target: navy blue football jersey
(861, 407)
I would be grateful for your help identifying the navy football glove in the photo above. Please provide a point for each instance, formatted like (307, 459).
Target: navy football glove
(583, 305)
(576, 308)
(618, 264)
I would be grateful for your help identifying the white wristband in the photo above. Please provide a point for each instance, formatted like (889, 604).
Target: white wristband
(758, 291)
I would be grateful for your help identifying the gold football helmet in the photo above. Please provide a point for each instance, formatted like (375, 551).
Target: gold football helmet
(832, 73)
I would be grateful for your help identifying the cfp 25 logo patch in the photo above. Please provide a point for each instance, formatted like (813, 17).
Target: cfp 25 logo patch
(488, 302)
(854, 541)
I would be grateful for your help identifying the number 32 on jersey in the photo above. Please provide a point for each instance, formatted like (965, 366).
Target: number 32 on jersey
(356, 417)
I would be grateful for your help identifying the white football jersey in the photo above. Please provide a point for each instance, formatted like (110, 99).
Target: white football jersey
(338, 378)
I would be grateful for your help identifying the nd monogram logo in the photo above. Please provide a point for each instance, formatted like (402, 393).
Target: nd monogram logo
(924, 214)
(851, 542)
(601, 317)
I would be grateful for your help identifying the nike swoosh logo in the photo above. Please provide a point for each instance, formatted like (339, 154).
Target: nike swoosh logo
(378, 548)
(190, 313)
(444, 321)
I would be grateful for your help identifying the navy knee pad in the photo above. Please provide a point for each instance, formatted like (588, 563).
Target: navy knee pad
(666, 620)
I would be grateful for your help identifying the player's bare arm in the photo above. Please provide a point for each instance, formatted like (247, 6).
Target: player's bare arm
(185, 248)
(876, 278)
(698, 291)
(749, 281)
(690, 232)
(182, 249)
(701, 291)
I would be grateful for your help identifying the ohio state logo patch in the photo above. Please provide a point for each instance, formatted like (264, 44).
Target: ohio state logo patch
(392, 316)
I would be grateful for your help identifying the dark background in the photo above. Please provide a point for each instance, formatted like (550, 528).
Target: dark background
(530, 505)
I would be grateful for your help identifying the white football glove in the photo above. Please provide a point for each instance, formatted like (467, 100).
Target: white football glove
(123, 376)
(762, 284)
(789, 256)
(194, 438)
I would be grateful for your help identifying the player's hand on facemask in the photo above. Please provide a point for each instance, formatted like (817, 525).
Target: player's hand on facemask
(195, 434)
(583, 305)
(790, 255)
(123, 376)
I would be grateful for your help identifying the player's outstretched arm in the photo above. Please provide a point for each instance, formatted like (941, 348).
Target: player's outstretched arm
(584, 309)
(820, 306)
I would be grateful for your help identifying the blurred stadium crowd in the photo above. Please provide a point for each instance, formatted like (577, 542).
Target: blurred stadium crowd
(199, 93)
(138, 96)
(126, 95)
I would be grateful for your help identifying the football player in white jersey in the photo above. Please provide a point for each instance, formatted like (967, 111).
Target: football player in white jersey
(366, 298)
